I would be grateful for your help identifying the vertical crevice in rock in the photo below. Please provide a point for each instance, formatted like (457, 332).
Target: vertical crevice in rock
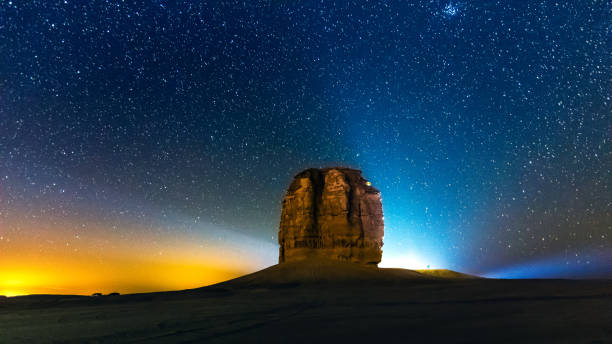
(331, 213)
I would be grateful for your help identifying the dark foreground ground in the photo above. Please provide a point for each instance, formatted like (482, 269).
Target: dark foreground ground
(266, 308)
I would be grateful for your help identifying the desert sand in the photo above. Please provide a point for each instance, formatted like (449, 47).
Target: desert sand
(325, 303)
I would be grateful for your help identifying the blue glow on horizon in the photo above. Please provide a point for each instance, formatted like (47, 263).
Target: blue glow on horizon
(596, 266)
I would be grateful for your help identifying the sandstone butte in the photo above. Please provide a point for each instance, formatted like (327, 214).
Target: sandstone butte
(331, 214)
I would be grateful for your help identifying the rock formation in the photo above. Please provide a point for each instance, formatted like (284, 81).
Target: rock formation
(331, 213)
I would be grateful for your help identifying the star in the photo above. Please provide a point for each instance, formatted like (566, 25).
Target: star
(450, 10)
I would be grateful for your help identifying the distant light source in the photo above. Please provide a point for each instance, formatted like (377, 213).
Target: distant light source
(368, 183)
(451, 10)
(405, 261)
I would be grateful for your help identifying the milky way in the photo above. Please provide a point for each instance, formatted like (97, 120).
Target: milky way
(135, 129)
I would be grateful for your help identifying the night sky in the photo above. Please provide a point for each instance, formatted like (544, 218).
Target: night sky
(147, 145)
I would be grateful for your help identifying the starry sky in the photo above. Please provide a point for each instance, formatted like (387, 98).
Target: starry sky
(147, 145)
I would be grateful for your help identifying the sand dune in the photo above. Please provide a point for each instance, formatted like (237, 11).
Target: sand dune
(325, 303)
(325, 271)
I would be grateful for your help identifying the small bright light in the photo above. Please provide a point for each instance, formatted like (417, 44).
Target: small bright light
(368, 183)
(410, 261)
(11, 293)
(451, 10)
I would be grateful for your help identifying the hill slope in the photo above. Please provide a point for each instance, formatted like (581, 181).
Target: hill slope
(445, 273)
(324, 271)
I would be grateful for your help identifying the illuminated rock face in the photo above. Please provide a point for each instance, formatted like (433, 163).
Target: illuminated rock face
(331, 213)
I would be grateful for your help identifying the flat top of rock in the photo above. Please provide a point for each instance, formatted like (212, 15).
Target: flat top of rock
(352, 173)
(327, 169)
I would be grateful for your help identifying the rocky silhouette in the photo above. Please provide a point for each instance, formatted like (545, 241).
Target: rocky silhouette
(331, 219)
(331, 213)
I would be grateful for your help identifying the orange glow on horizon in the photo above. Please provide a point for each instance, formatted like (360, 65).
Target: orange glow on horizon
(114, 277)
(51, 260)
